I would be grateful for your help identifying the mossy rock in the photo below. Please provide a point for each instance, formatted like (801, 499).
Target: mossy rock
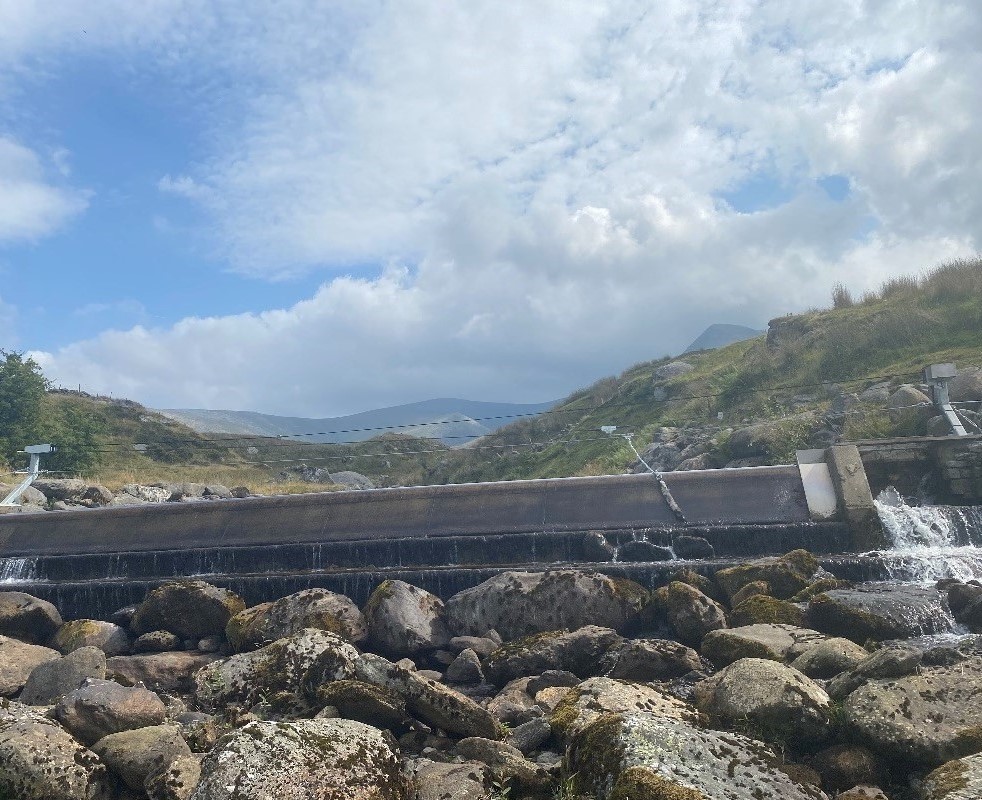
(786, 575)
(763, 609)
(363, 702)
(818, 587)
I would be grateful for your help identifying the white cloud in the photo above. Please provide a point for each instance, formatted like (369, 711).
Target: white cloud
(549, 174)
(8, 326)
(30, 205)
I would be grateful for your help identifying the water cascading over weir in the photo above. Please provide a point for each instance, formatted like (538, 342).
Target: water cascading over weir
(445, 538)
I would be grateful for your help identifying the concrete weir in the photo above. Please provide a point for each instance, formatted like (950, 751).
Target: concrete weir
(443, 538)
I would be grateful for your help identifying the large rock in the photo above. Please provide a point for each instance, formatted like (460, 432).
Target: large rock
(785, 576)
(137, 754)
(507, 764)
(67, 489)
(966, 387)
(107, 636)
(39, 760)
(280, 666)
(878, 613)
(17, 661)
(435, 780)
(767, 699)
(160, 672)
(960, 779)
(648, 660)
(578, 652)
(926, 718)
(427, 700)
(599, 696)
(517, 604)
(692, 614)
(52, 679)
(319, 759)
(776, 642)
(827, 659)
(103, 707)
(311, 608)
(363, 702)
(25, 617)
(175, 781)
(191, 609)
(643, 756)
(404, 620)
(763, 610)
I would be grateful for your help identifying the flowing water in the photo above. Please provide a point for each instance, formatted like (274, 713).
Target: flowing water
(17, 570)
(930, 542)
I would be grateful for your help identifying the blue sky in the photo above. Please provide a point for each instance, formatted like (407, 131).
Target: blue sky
(316, 208)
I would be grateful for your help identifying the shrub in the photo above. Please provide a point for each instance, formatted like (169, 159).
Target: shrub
(841, 296)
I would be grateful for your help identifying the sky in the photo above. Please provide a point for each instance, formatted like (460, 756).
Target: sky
(317, 208)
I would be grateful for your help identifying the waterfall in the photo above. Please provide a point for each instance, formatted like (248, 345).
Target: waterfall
(18, 570)
(928, 543)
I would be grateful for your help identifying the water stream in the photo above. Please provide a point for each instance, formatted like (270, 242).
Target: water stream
(17, 570)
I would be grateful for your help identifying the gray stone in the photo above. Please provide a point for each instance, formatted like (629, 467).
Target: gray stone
(160, 672)
(597, 548)
(363, 702)
(530, 736)
(641, 551)
(827, 659)
(190, 608)
(102, 707)
(70, 489)
(17, 661)
(403, 620)
(176, 781)
(694, 547)
(25, 617)
(507, 764)
(327, 759)
(673, 369)
(156, 642)
(107, 636)
(578, 652)
(39, 760)
(52, 679)
(692, 614)
(135, 755)
(435, 780)
(479, 644)
(774, 641)
(774, 701)
(465, 668)
(960, 779)
(879, 613)
(648, 660)
(519, 604)
(310, 608)
(785, 575)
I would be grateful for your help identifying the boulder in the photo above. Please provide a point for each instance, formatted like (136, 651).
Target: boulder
(694, 547)
(644, 755)
(479, 644)
(159, 672)
(427, 700)
(363, 702)
(843, 766)
(52, 679)
(302, 661)
(191, 609)
(25, 617)
(403, 620)
(17, 661)
(785, 575)
(519, 604)
(530, 735)
(925, 718)
(578, 652)
(507, 765)
(175, 781)
(39, 760)
(135, 755)
(68, 489)
(648, 660)
(827, 659)
(596, 697)
(327, 759)
(597, 548)
(966, 387)
(776, 642)
(749, 590)
(762, 609)
(156, 642)
(351, 480)
(960, 779)
(910, 407)
(673, 369)
(465, 668)
(102, 707)
(880, 612)
(514, 704)
(311, 608)
(692, 614)
(435, 780)
(107, 636)
(770, 701)
(643, 552)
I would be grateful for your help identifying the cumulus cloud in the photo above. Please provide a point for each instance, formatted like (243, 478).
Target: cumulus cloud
(551, 188)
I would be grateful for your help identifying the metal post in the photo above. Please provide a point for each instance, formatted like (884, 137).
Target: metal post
(35, 451)
(937, 377)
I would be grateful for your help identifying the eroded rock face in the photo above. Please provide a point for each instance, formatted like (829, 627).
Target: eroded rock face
(403, 620)
(280, 666)
(312, 608)
(319, 759)
(776, 642)
(576, 651)
(76, 633)
(518, 604)
(190, 609)
(926, 718)
(771, 700)
(644, 755)
(103, 707)
(17, 660)
(39, 760)
(960, 779)
(880, 613)
(25, 617)
(598, 696)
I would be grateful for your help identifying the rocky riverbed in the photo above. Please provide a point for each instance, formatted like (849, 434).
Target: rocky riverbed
(769, 679)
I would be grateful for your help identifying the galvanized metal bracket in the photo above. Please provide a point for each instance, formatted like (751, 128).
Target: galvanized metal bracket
(937, 377)
(35, 451)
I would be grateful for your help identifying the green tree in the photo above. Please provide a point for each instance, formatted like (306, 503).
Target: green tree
(22, 391)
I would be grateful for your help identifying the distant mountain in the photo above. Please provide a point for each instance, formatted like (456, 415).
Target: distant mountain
(454, 421)
(720, 335)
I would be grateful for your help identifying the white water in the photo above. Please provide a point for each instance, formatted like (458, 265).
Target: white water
(929, 542)
(17, 570)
